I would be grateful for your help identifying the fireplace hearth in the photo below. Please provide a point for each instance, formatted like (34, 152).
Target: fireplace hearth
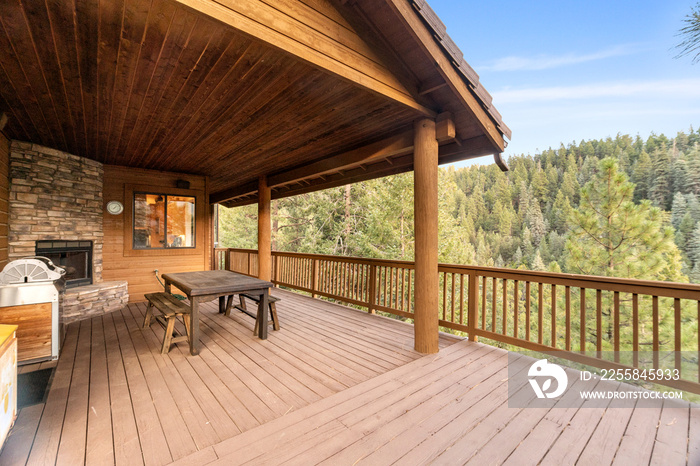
(74, 256)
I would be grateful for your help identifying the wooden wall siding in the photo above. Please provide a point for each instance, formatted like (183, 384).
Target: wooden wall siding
(154, 84)
(4, 196)
(136, 267)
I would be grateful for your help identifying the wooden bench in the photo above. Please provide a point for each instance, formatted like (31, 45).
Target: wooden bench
(170, 308)
(271, 300)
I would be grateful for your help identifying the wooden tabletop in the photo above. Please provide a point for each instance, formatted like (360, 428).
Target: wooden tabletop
(211, 282)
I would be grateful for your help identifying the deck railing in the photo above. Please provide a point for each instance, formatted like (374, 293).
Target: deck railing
(605, 322)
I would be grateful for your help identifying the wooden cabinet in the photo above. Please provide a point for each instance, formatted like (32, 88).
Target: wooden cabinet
(33, 323)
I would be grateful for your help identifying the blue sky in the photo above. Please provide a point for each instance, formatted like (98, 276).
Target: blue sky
(563, 71)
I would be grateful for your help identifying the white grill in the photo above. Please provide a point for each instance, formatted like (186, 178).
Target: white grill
(30, 270)
(26, 286)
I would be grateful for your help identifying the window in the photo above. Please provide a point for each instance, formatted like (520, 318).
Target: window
(163, 221)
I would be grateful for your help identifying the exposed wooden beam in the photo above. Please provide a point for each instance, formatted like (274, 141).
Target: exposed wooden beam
(295, 30)
(445, 128)
(3, 120)
(447, 70)
(247, 189)
(428, 87)
(401, 143)
(448, 153)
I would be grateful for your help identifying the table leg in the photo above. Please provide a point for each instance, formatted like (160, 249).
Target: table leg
(194, 326)
(262, 315)
(222, 304)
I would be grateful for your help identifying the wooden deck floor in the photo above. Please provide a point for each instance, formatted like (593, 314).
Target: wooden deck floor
(335, 386)
(115, 399)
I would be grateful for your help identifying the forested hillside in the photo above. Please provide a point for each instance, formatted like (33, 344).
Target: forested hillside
(561, 210)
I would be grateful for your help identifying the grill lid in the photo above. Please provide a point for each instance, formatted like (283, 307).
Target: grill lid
(30, 270)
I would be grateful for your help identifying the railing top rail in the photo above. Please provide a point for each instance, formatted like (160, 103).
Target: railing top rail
(631, 285)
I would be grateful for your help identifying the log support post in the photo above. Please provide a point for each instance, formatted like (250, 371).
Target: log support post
(426, 231)
(264, 231)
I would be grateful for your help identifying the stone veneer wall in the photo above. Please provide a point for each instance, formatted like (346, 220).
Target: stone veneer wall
(54, 195)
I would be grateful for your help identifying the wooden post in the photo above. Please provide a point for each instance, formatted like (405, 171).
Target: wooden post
(264, 229)
(425, 166)
(372, 289)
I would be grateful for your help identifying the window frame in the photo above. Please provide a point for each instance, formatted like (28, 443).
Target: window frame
(127, 220)
(165, 220)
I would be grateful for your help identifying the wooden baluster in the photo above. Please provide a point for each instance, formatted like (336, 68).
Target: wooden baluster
(483, 303)
(616, 326)
(403, 284)
(582, 327)
(567, 294)
(698, 343)
(444, 295)
(461, 299)
(394, 288)
(635, 329)
(410, 287)
(452, 309)
(677, 332)
(655, 329)
(540, 313)
(516, 305)
(554, 316)
(387, 290)
(505, 307)
(472, 305)
(314, 277)
(528, 298)
(599, 322)
(493, 304)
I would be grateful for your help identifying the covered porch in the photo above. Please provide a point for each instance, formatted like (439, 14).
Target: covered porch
(335, 385)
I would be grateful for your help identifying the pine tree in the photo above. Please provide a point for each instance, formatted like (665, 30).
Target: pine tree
(537, 262)
(678, 209)
(693, 246)
(613, 236)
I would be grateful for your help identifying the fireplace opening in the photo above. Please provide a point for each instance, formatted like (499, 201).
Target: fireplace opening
(74, 256)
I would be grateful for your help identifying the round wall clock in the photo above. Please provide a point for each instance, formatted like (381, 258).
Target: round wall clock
(115, 207)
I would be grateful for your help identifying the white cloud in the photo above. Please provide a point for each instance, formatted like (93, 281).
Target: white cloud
(545, 62)
(684, 88)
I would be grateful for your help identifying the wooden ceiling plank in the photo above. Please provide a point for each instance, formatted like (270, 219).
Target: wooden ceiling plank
(178, 34)
(61, 16)
(7, 116)
(158, 29)
(134, 27)
(87, 39)
(165, 113)
(272, 27)
(110, 29)
(267, 94)
(20, 62)
(196, 83)
(228, 71)
(447, 70)
(13, 105)
(274, 119)
(42, 38)
(253, 83)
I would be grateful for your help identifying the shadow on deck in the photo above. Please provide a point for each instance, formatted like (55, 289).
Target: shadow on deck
(334, 385)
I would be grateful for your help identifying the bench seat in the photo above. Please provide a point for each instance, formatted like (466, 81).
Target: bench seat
(271, 300)
(170, 309)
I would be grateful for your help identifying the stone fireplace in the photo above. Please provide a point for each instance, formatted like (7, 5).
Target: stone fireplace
(56, 203)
